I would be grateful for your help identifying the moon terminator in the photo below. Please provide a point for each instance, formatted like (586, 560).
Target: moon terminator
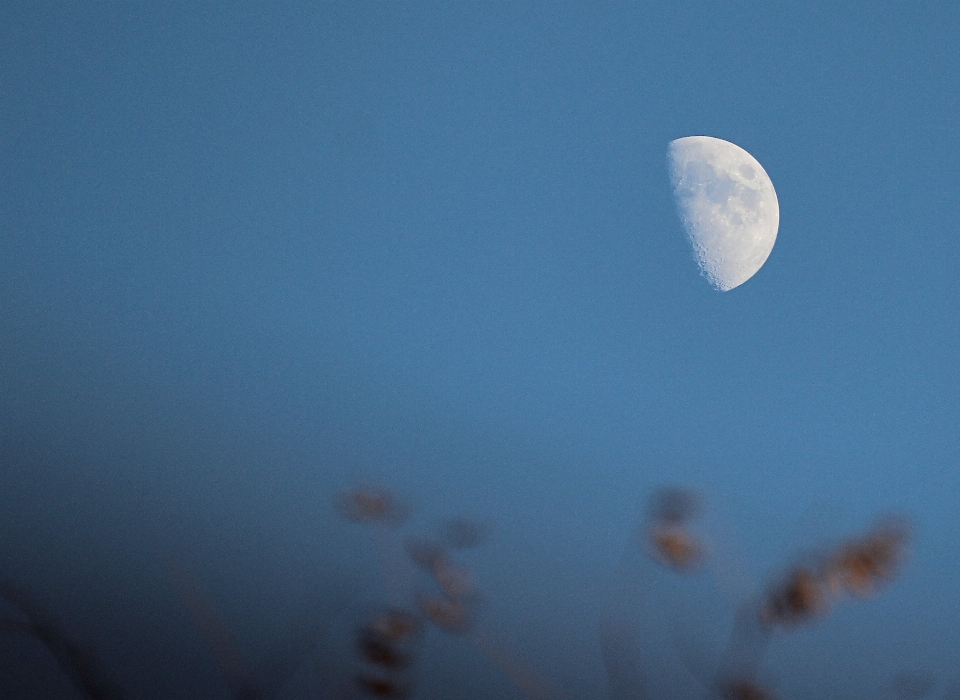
(728, 207)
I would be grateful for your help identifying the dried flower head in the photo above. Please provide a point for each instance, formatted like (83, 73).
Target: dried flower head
(800, 597)
(744, 689)
(676, 547)
(378, 687)
(448, 615)
(376, 650)
(395, 625)
(861, 566)
(371, 505)
(454, 581)
(426, 554)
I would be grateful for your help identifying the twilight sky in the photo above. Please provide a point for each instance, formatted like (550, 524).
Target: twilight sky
(253, 254)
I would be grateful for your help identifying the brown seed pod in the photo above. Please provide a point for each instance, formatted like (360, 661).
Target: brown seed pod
(744, 689)
(800, 597)
(378, 687)
(675, 547)
(454, 581)
(862, 565)
(377, 651)
(385, 645)
(371, 505)
(449, 615)
(395, 625)
(426, 554)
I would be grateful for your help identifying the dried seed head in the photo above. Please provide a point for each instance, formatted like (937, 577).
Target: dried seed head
(377, 651)
(801, 597)
(861, 566)
(448, 615)
(395, 625)
(744, 689)
(675, 547)
(378, 687)
(425, 553)
(455, 582)
(371, 505)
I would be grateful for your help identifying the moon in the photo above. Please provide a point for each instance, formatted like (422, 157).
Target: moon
(728, 207)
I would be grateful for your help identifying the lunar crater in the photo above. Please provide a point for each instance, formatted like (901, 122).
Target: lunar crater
(727, 205)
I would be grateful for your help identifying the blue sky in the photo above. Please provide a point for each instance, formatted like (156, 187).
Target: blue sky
(254, 254)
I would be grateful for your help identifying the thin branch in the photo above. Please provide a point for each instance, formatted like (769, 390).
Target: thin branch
(79, 663)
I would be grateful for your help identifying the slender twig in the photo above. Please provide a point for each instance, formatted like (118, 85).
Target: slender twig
(240, 678)
(79, 664)
(210, 622)
(524, 678)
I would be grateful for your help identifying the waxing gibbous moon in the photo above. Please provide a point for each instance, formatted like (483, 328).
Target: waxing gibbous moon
(728, 207)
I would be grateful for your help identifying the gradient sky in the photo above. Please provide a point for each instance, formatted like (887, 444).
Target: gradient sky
(252, 254)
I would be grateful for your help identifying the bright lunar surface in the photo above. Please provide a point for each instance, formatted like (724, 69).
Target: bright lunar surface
(728, 207)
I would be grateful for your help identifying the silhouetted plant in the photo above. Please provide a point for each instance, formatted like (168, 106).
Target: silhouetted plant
(80, 664)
